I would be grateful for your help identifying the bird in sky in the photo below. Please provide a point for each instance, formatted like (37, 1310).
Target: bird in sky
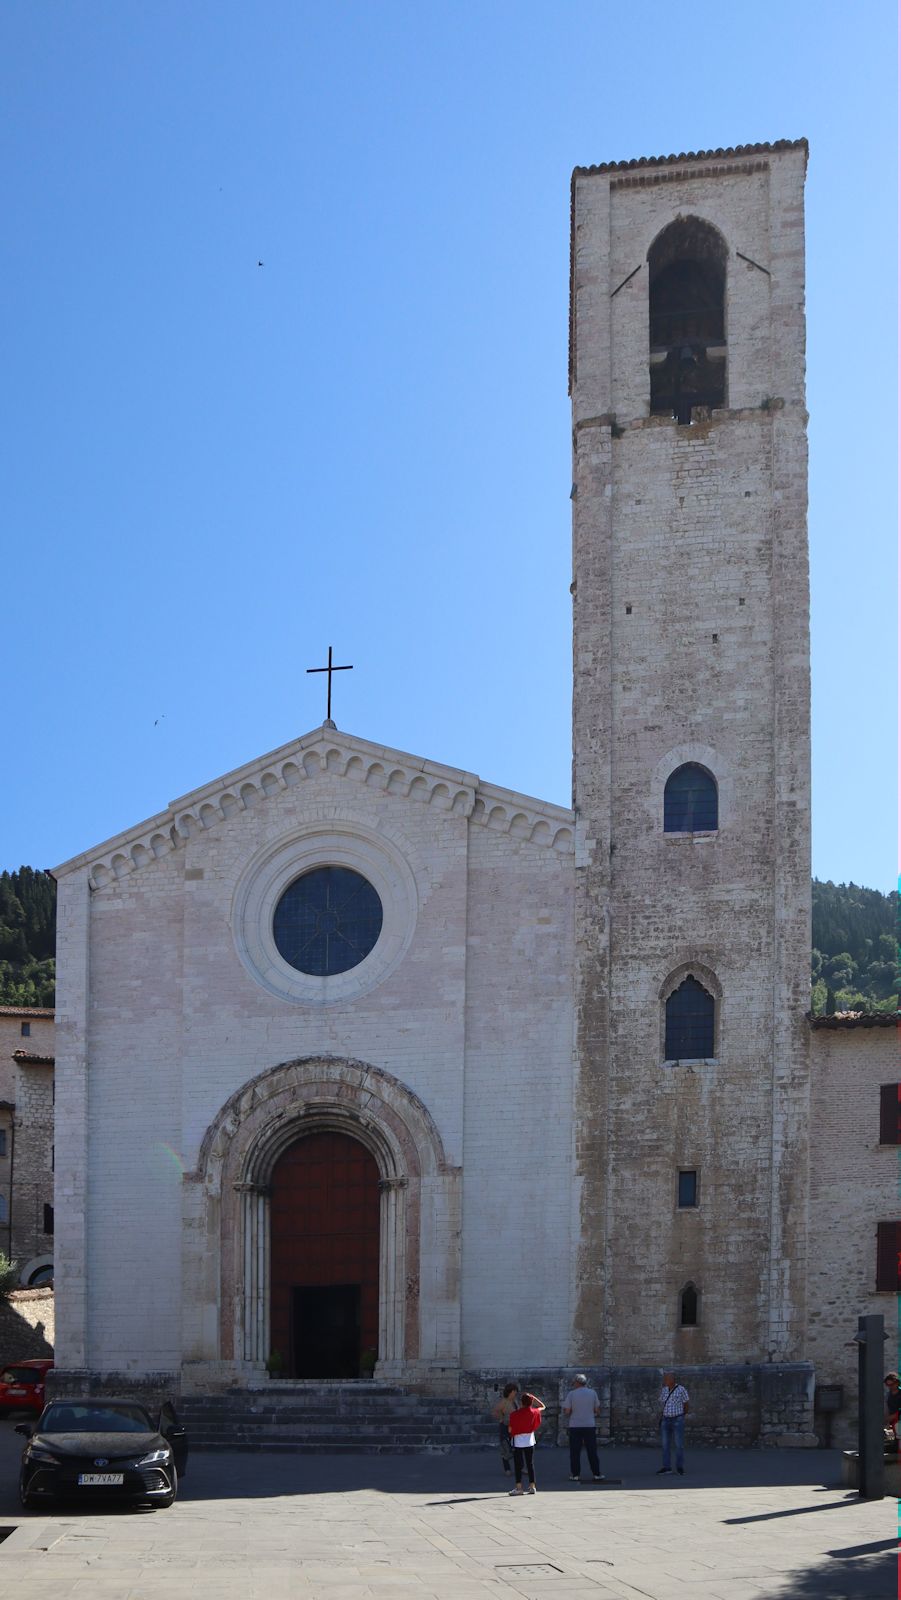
(158, 720)
(261, 263)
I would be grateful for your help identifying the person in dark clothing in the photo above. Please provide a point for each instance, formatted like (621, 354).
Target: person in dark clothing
(501, 1414)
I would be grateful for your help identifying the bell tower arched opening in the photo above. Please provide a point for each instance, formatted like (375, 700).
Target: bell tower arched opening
(687, 318)
(324, 1257)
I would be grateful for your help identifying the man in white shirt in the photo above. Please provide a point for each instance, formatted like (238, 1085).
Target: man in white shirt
(582, 1408)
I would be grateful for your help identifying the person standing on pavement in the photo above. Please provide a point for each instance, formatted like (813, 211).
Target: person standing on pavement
(673, 1411)
(501, 1414)
(581, 1409)
(524, 1423)
(892, 1401)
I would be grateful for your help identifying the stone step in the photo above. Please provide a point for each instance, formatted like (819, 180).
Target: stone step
(330, 1431)
(315, 1395)
(336, 1448)
(342, 1419)
(213, 1420)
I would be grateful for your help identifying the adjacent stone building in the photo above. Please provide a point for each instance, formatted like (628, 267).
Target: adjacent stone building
(26, 1140)
(366, 1063)
(855, 1202)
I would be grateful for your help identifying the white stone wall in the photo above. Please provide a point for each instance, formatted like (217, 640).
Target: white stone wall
(475, 1020)
(517, 1160)
(690, 643)
(855, 1183)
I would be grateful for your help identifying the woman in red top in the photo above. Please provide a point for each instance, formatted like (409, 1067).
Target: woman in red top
(523, 1426)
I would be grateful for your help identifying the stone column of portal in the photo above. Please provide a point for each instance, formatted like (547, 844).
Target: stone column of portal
(392, 1271)
(254, 1341)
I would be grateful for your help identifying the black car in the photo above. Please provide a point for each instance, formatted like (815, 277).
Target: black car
(102, 1448)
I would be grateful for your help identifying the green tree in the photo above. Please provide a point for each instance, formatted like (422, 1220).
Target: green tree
(9, 1276)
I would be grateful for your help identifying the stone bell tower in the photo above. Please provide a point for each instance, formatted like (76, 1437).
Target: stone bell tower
(691, 756)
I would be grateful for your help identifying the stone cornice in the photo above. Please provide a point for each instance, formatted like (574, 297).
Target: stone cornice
(325, 750)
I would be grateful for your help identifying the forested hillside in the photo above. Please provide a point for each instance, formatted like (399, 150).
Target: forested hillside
(854, 967)
(27, 938)
(855, 949)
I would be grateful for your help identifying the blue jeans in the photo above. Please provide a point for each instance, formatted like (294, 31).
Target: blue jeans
(673, 1428)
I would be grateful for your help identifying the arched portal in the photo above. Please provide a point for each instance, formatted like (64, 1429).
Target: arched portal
(228, 1254)
(324, 1257)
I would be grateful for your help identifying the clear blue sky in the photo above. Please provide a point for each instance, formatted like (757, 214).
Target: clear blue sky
(212, 470)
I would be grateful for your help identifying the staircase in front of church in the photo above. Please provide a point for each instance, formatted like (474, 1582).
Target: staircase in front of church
(334, 1419)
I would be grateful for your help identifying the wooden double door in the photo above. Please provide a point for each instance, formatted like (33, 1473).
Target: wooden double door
(324, 1242)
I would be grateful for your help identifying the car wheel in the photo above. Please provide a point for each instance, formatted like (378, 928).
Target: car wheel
(25, 1499)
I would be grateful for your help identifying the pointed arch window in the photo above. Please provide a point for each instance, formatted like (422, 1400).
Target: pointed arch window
(690, 1019)
(688, 1306)
(687, 318)
(690, 801)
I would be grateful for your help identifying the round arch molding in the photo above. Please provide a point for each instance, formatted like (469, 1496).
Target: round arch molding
(227, 1215)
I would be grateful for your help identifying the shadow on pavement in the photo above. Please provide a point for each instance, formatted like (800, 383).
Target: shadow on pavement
(455, 1478)
(875, 1578)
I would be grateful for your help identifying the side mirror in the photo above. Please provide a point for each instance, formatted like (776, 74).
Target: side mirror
(24, 1428)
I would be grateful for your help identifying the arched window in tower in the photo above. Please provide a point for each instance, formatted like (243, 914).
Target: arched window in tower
(690, 1017)
(690, 803)
(688, 1307)
(687, 321)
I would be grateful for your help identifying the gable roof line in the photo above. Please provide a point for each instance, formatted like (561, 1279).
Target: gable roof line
(692, 155)
(201, 808)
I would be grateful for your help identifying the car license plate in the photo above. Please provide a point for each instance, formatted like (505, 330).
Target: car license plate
(101, 1480)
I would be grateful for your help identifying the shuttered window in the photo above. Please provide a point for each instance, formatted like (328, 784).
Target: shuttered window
(890, 1113)
(888, 1256)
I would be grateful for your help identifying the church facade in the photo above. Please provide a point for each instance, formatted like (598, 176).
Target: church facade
(367, 1065)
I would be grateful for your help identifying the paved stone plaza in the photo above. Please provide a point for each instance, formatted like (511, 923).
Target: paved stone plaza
(751, 1525)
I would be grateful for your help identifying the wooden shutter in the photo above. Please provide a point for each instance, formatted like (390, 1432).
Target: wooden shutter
(890, 1113)
(888, 1245)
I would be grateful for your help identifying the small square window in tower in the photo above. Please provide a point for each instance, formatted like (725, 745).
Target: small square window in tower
(689, 1023)
(687, 321)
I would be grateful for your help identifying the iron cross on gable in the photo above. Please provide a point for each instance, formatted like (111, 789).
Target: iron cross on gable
(329, 669)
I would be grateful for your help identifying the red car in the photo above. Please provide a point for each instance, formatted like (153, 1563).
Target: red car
(22, 1386)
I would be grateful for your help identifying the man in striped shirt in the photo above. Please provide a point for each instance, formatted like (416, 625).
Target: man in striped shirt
(673, 1411)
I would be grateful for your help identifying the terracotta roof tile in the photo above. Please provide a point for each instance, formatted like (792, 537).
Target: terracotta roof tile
(27, 1011)
(29, 1058)
(693, 155)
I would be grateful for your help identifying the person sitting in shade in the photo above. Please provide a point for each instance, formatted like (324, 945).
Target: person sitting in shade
(581, 1409)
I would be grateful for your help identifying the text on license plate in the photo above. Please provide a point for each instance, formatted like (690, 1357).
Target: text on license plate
(101, 1480)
